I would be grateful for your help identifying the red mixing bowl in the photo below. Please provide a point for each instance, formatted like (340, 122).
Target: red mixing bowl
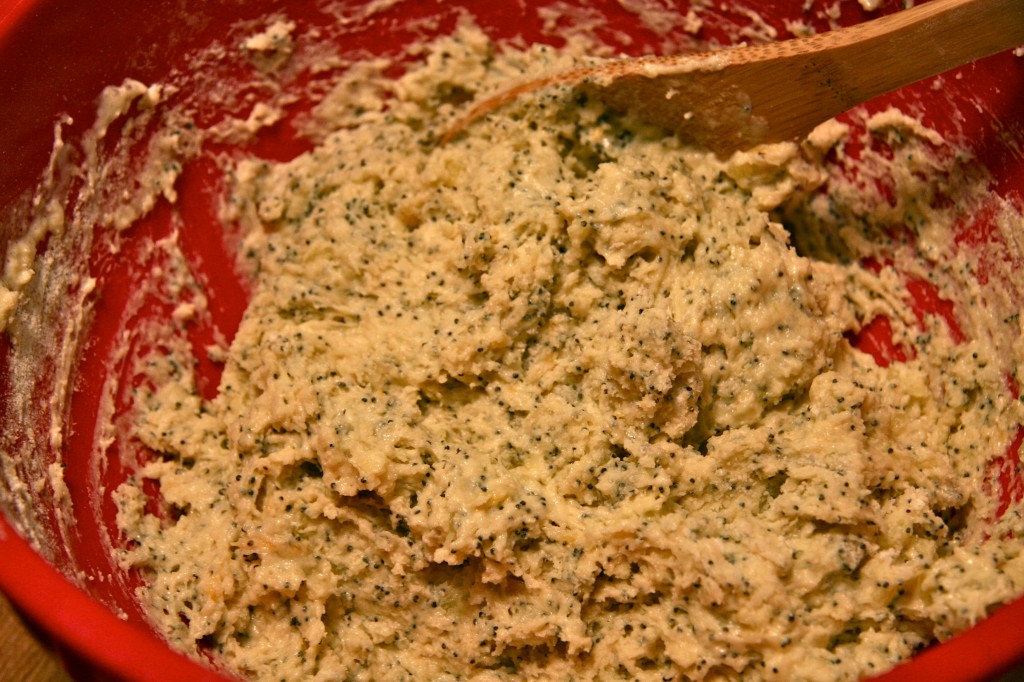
(55, 58)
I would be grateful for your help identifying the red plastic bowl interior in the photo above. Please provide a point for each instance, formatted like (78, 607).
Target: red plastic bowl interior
(57, 55)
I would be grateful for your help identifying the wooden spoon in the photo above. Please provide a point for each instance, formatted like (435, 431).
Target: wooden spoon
(739, 97)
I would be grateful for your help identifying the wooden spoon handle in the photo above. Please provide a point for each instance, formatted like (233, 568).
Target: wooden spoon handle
(864, 61)
(739, 97)
(743, 96)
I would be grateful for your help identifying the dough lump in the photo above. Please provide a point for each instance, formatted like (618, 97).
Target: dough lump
(559, 400)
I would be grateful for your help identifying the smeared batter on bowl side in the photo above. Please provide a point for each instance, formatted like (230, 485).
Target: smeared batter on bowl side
(561, 400)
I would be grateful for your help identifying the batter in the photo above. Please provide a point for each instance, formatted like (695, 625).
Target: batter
(560, 400)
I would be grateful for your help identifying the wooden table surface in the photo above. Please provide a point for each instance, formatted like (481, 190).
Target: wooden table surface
(22, 657)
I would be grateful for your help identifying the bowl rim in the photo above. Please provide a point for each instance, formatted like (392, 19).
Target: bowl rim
(79, 624)
(76, 624)
(11, 14)
(71, 621)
